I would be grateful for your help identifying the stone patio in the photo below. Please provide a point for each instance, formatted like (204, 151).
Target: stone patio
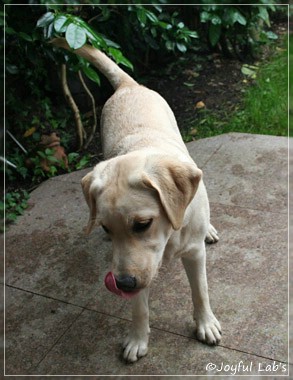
(61, 320)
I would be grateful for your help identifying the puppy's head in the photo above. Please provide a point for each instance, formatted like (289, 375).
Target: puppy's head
(139, 200)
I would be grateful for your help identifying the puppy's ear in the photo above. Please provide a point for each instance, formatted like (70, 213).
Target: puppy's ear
(86, 183)
(176, 183)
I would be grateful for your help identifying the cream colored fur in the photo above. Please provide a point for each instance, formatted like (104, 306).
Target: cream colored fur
(148, 175)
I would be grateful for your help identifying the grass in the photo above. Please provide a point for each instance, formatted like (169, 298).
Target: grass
(291, 89)
(264, 108)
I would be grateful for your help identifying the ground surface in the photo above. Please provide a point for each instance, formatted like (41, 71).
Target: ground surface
(212, 79)
(61, 320)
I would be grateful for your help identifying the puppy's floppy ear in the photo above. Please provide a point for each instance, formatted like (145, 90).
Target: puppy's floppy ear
(176, 183)
(86, 183)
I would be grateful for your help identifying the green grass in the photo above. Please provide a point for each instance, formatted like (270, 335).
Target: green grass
(291, 88)
(264, 108)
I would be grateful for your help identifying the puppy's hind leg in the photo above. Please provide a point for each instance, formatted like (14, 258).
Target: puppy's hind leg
(212, 235)
(136, 343)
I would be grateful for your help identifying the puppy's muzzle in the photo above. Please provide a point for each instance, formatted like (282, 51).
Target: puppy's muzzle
(126, 283)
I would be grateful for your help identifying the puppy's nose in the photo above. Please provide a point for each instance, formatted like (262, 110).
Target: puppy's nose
(126, 283)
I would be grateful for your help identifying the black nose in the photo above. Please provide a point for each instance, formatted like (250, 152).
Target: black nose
(126, 283)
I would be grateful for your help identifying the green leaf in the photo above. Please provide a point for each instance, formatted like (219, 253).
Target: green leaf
(111, 43)
(249, 70)
(181, 47)
(187, 84)
(239, 18)
(52, 159)
(83, 162)
(214, 34)
(190, 33)
(91, 74)
(158, 8)
(12, 69)
(45, 20)
(73, 156)
(151, 16)
(164, 25)
(170, 45)
(264, 15)
(205, 16)
(271, 35)
(42, 154)
(53, 170)
(119, 58)
(216, 20)
(97, 40)
(59, 24)
(9, 30)
(231, 16)
(25, 36)
(49, 151)
(154, 32)
(75, 36)
(141, 15)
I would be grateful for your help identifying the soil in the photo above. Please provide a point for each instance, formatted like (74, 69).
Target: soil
(215, 84)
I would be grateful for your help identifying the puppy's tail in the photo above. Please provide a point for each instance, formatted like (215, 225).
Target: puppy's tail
(116, 76)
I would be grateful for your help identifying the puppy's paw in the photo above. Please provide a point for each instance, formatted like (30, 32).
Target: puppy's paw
(134, 348)
(208, 330)
(212, 235)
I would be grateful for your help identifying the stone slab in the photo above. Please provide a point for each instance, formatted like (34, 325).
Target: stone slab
(33, 324)
(92, 347)
(48, 254)
(249, 171)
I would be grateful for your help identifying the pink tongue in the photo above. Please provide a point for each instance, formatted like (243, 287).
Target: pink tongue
(111, 285)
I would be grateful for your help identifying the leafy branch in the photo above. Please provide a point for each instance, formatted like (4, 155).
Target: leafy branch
(77, 32)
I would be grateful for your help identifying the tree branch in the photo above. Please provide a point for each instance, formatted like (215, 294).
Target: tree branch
(93, 107)
(76, 113)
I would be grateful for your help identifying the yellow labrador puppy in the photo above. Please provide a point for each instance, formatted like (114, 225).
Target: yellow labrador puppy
(150, 198)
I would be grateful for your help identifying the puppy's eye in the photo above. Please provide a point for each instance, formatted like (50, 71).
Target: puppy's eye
(106, 229)
(142, 226)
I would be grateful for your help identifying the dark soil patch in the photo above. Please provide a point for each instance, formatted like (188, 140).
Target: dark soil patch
(215, 84)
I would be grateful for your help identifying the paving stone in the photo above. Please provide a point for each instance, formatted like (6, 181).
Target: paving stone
(74, 177)
(204, 150)
(33, 325)
(47, 253)
(92, 347)
(54, 205)
(249, 171)
(61, 263)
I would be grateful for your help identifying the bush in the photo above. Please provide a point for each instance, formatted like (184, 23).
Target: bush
(134, 35)
(239, 30)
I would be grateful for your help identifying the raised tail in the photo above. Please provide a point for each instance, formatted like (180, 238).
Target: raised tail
(116, 76)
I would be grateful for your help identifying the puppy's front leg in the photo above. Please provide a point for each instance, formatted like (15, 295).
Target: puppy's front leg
(208, 329)
(136, 343)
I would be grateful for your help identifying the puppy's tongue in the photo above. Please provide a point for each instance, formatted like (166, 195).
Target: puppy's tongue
(111, 285)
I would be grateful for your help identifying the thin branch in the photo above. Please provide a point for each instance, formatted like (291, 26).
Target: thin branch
(73, 106)
(93, 107)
